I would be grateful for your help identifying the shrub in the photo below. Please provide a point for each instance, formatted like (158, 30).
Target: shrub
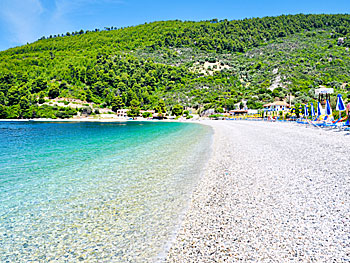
(219, 110)
(54, 92)
(146, 114)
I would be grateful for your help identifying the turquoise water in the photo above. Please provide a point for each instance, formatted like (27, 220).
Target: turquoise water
(97, 192)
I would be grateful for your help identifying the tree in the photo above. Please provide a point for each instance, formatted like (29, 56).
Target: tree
(41, 97)
(2, 98)
(3, 113)
(219, 110)
(177, 110)
(146, 114)
(134, 108)
(117, 103)
(54, 92)
(13, 112)
(38, 85)
(161, 107)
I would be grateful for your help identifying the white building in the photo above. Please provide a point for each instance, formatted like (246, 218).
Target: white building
(122, 113)
(276, 106)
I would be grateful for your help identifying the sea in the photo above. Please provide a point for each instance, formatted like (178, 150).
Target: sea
(94, 191)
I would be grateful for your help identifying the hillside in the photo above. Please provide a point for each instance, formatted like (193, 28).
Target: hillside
(207, 64)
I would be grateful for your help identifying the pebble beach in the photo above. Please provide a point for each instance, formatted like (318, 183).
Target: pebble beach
(272, 192)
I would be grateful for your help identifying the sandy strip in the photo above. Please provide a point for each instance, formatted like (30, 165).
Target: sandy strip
(273, 192)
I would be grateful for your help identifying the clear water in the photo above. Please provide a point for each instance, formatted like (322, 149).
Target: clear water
(97, 192)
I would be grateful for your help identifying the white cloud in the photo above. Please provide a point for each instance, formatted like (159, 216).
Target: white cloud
(22, 17)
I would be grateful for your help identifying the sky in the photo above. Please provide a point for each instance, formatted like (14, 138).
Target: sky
(25, 21)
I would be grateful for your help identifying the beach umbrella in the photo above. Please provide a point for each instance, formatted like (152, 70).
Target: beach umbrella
(306, 112)
(319, 109)
(328, 108)
(312, 110)
(300, 109)
(340, 105)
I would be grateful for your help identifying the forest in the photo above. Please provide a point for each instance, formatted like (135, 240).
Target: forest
(170, 64)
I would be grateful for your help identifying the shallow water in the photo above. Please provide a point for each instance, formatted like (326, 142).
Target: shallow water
(106, 192)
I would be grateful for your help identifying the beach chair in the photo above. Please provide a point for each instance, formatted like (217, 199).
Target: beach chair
(302, 122)
(317, 123)
(335, 124)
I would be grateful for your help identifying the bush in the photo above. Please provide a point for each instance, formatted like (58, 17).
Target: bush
(146, 114)
(215, 116)
(54, 92)
(219, 110)
(177, 110)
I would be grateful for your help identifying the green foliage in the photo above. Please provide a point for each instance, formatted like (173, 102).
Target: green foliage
(134, 108)
(146, 114)
(219, 110)
(161, 64)
(177, 110)
(160, 108)
(54, 92)
(116, 103)
(34, 111)
(216, 116)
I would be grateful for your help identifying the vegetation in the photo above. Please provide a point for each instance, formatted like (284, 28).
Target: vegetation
(173, 64)
(177, 110)
(146, 114)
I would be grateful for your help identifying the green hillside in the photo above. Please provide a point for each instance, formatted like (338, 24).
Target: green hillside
(208, 64)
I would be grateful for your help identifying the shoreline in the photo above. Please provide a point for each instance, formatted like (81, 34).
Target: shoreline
(181, 217)
(262, 196)
(95, 120)
(75, 120)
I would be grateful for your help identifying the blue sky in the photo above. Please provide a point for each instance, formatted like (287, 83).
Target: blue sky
(23, 21)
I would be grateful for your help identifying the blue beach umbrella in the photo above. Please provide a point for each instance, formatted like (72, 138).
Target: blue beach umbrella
(319, 109)
(312, 110)
(340, 105)
(328, 108)
(306, 112)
